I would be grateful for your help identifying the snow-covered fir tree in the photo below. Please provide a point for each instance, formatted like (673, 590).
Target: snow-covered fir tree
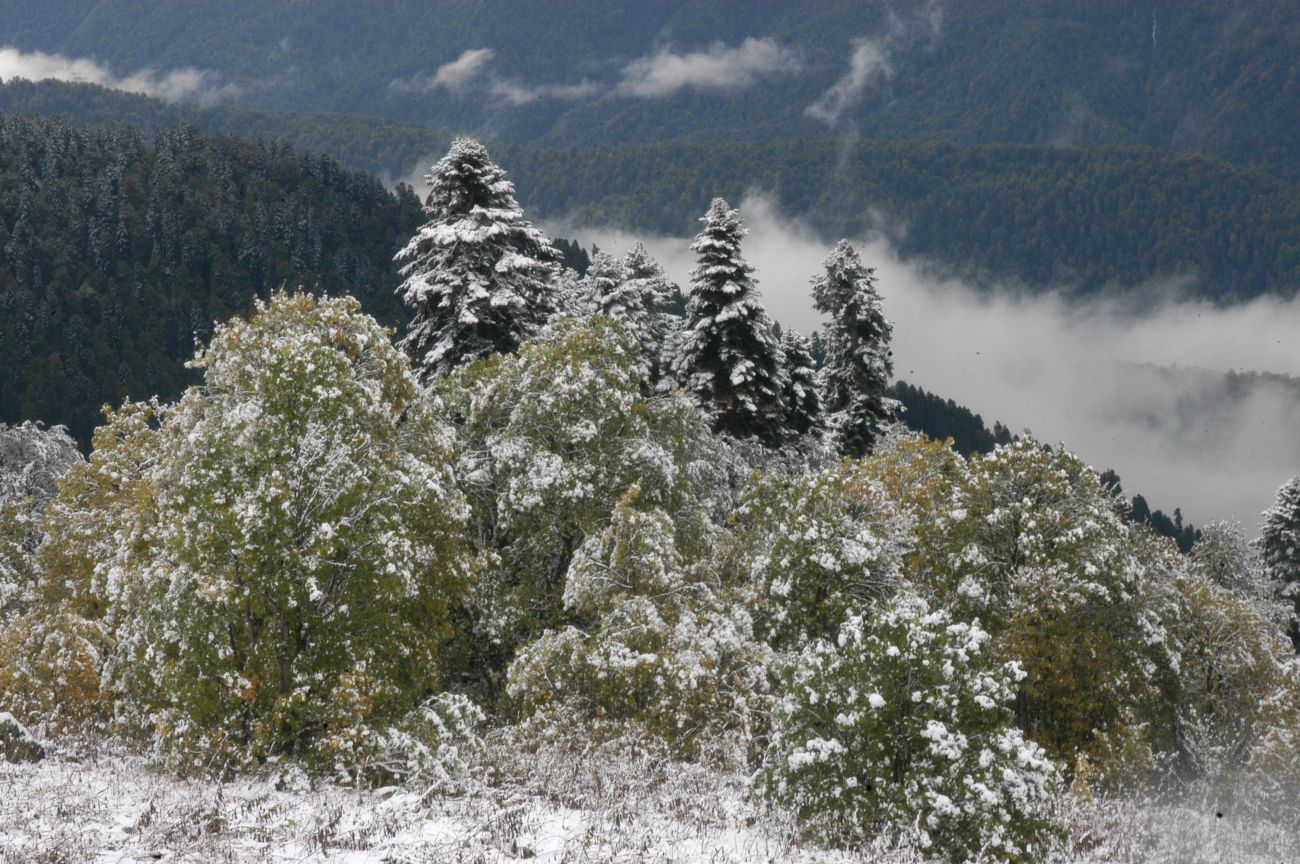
(479, 277)
(572, 299)
(728, 356)
(1279, 547)
(603, 284)
(858, 359)
(646, 300)
(803, 401)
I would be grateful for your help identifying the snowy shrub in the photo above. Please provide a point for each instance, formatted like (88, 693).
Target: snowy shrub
(902, 723)
(437, 746)
(815, 548)
(550, 438)
(1238, 708)
(99, 526)
(1032, 545)
(310, 541)
(32, 459)
(270, 564)
(656, 646)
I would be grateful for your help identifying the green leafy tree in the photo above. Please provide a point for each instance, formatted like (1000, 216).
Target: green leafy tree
(1028, 542)
(550, 439)
(307, 550)
(657, 645)
(815, 548)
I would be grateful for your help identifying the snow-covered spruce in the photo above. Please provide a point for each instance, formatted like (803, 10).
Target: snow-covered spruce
(479, 277)
(728, 356)
(858, 360)
(902, 723)
(645, 306)
(803, 400)
(1279, 546)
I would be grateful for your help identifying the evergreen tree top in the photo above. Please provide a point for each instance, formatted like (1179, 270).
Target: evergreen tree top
(467, 179)
(718, 246)
(846, 288)
(639, 265)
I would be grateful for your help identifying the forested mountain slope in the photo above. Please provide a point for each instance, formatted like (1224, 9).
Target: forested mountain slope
(1215, 77)
(1042, 216)
(120, 249)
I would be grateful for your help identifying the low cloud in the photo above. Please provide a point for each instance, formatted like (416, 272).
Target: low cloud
(185, 84)
(871, 60)
(716, 68)
(456, 75)
(868, 62)
(1143, 392)
(518, 92)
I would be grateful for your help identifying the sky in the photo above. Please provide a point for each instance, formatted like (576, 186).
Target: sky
(1139, 391)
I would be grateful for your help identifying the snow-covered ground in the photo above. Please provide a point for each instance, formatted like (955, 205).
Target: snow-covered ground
(560, 804)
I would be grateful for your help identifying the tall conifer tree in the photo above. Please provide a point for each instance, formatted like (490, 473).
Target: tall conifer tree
(1279, 547)
(479, 277)
(728, 356)
(858, 360)
(803, 402)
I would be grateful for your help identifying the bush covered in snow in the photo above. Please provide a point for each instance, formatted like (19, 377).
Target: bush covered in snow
(549, 440)
(656, 646)
(274, 573)
(903, 722)
(815, 547)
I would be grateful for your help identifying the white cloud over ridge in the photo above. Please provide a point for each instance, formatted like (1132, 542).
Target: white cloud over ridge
(868, 62)
(518, 92)
(186, 84)
(456, 75)
(1141, 392)
(717, 67)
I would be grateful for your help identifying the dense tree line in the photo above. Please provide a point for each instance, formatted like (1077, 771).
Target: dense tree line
(1079, 219)
(1082, 220)
(119, 249)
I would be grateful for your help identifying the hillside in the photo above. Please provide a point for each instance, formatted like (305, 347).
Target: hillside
(120, 250)
(1216, 77)
(1041, 216)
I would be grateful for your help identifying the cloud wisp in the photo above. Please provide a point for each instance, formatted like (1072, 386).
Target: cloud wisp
(868, 62)
(871, 61)
(715, 68)
(1143, 392)
(518, 92)
(186, 84)
(470, 71)
(455, 75)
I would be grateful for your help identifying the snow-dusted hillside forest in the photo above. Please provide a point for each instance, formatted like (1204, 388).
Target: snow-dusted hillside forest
(560, 573)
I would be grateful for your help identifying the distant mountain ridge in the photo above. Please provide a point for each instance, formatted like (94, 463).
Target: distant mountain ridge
(1080, 220)
(1217, 77)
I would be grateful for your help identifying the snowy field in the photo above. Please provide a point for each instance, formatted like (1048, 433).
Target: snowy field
(558, 805)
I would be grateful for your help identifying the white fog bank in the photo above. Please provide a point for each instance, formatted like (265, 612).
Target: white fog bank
(1097, 375)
